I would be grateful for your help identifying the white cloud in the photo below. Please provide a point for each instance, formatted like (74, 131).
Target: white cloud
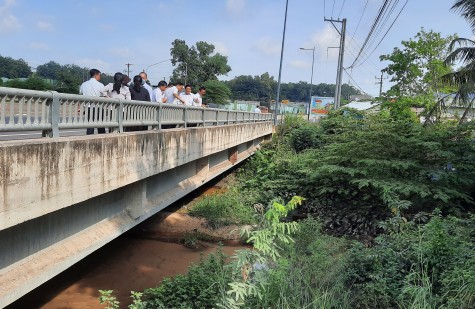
(322, 40)
(94, 64)
(39, 46)
(123, 52)
(8, 22)
(44, 26)
(235, 6)
(299, 64)
(268, 46)
(221, 48)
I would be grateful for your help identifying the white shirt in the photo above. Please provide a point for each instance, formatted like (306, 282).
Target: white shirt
(150, 91)
(188, 98)
(169, 94)
(91, 88)
(257, 110)
(198, 101)
(108, 91)
(158, 95)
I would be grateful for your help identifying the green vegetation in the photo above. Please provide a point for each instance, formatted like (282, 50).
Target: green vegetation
(401, 195)
(224, 209)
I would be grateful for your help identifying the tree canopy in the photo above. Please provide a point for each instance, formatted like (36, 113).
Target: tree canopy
(14, 68)
(197, 64)
(217, 92)
(418, 66)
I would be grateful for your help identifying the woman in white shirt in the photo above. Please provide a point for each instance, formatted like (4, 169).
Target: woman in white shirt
(117, 90)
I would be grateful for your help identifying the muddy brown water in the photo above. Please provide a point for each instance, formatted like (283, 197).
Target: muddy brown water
(133, 262)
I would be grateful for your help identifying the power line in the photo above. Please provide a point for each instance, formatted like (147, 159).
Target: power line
(356, 84)
(333, 8)
(386, 32)
(361, 17)
(373, 27)
(341, 10)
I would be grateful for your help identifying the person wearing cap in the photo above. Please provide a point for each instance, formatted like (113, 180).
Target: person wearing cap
(93, 88)
(117, 89)
(145, 84)
(159, 92)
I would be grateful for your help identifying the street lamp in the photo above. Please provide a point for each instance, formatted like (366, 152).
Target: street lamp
(145, 70)
(311, 78)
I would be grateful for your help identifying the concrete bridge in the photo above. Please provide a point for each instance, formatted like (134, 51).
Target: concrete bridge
(63, 198)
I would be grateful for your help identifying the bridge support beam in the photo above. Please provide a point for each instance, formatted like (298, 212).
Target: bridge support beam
(94, 198)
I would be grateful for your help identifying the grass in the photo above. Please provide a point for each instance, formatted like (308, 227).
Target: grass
(223, 209)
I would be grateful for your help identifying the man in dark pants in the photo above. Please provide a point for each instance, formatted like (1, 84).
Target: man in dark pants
(93, 88)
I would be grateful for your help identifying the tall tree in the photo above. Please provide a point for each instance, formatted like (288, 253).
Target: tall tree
(197, 64)
(464, 77)
(11, 68)
(417, 67)
(217, 92)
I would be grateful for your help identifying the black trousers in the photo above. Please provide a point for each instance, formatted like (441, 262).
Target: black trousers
(91, 116)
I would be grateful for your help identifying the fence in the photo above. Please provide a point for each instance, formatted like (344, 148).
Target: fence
(50, 111)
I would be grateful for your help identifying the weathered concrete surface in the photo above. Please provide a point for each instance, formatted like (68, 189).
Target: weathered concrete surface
(63, 199)
(39, 177)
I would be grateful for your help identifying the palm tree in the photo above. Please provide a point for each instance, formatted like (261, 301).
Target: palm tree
(464, 77)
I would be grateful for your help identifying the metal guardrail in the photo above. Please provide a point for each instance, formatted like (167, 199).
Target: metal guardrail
(50, 111)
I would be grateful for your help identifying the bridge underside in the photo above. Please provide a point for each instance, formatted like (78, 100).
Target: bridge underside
(79, 194)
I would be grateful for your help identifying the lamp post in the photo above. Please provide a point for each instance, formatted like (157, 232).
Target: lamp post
(311, 78)
(146, 69)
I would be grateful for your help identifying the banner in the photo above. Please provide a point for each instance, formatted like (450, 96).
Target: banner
(321, 105)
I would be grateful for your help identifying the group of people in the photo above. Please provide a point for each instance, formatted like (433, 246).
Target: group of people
(139, 90)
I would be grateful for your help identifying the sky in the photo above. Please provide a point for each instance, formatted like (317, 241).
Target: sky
(108, 34)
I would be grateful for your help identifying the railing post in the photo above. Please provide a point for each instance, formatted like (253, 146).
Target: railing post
(120, 117)
(185, 115)
(203, 115)
(159, 116)
(227, 117)
(53, 117)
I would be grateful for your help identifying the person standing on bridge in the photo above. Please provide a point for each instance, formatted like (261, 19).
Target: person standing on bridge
(145, 84)
(187, 97)
(93, 88)
(198, 100)
(159, 92)
(117, 90)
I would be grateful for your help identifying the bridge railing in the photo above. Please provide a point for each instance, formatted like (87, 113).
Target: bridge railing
(50, 111)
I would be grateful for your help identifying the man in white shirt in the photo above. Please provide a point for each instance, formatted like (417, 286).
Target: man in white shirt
(93, 88)
(187, 97)
(198, 100)
(257, 109)
(172, 93)
(147, 86)
(159, 92)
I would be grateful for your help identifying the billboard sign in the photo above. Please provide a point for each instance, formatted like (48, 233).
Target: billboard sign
(320, 106)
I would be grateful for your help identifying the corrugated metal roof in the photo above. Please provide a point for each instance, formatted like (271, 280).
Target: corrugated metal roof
(362, 106)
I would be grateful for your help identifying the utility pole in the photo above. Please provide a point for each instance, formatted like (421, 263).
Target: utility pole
(277, 106)
(128, 68)
(380, 83)
(339, 72)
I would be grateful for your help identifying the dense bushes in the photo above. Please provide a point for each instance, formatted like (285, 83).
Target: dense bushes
(368, 170)
(431, 264)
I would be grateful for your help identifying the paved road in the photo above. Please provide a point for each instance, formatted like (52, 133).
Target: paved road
(22, 135)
